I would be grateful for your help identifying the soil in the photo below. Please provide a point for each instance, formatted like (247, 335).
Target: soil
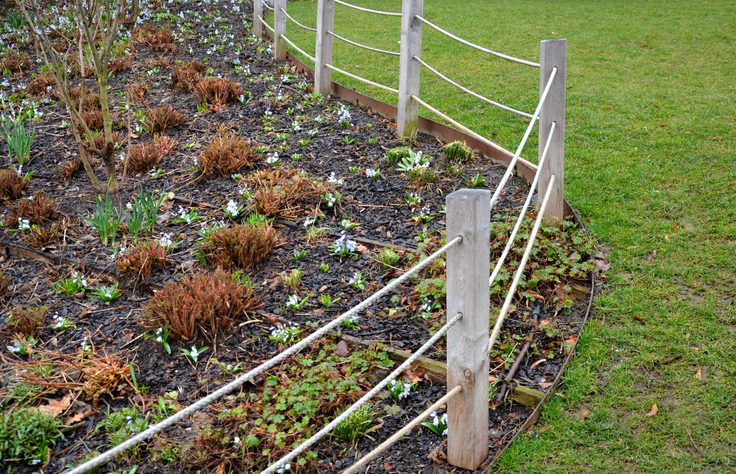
(378, 206)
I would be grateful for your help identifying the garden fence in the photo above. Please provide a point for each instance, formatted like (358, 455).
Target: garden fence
(467, 233)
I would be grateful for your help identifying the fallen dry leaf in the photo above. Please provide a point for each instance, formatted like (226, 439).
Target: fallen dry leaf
(70, 420)
(652, 411)
(584, 414)
(56, 407)
(699, 374)
(638, 319)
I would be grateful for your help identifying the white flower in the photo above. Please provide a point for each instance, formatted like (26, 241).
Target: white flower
(272, 158)
(165, 240)
(335, 180)
(15, 348)
(23, 224)
(309, 221)
(283, 469)
(236, 439)
(129, 206)
(232, 209)
(371, 173)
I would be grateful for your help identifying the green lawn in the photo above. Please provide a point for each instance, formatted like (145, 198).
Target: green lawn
(650, 164)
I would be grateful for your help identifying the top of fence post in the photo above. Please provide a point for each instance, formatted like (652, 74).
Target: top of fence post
(407, 119)
(468, 268)
(553, 54)
(257, 12)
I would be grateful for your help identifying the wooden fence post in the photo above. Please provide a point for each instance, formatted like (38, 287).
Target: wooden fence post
(553, 54)
(279, 28)
(468, 268)
(323, 50)
(407, 120)
(258, 11)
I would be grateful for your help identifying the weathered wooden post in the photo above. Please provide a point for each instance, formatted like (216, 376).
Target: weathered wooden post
(323, 49)
(279, 28)
(407, 120)
(553, 55)
(258, 13)
(468, 268)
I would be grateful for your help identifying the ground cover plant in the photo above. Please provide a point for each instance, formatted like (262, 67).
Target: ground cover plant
(236, 232)
(649, 165)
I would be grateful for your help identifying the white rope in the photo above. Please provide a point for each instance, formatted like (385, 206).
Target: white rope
(520, 148)
(474, 94)
(473, 45)
(359, 45)
(265, 4)
(400, 434)
(362, 79)
(365, 398)
(263, 22)
(300, 50)
(460, 126)
(520, 270)
(520, 219)
(204, 402)
(304, 27)
(363, 9)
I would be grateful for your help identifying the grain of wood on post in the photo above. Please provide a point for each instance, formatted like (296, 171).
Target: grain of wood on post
(407, 120)
(323, 48)
(468, 267)
(258, 11)
(553, 54)
(279, 28)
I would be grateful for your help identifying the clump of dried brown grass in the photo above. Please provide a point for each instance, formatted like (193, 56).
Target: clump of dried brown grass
(157, 38)
(69, 169)
(285, 193)
(227, 154)
(217, 92)
(137, 93)
(41, 209)
(25, 321)
(39, 86)
(145, 156)
(200, 306)
(185, 76)
(94, 120)
(4, 283)
(140, 261)
(11, 185)
(40, 237)
(159, 119)
(239, 246)
(122, 64)
(15, 62)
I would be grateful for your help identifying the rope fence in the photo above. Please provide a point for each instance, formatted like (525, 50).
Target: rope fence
(365, 398)
(361, 79)
(297, 48)
(468, 91)
(520, 270)
(266, 5)
(149, 433)
(362, 46)
(368, 10)
(296, 22)
(475, 46)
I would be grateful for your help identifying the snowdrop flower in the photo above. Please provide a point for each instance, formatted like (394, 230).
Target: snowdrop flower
(232, 209)
(284, 469)
(236, 441)
(195, 352)
(309, 221)
(23, 224)
(272, 158)
(15, 348)
(166, 241)
(295, 126)
(129, 206)
(335, 180)
(159, 335)
(371, 173)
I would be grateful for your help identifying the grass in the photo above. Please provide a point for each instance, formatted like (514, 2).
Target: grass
(650, 145)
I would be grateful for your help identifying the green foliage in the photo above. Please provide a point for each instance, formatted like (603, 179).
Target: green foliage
(457, 152)
(294, 279)
(26, 435)
(71, 286)
(388, 258)
(560, 256)
(396, 155)
(327, 301)
(18, 139)
(105, 220)
(143, 213)
(120, 425)
(356, 425)
(106, 294)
